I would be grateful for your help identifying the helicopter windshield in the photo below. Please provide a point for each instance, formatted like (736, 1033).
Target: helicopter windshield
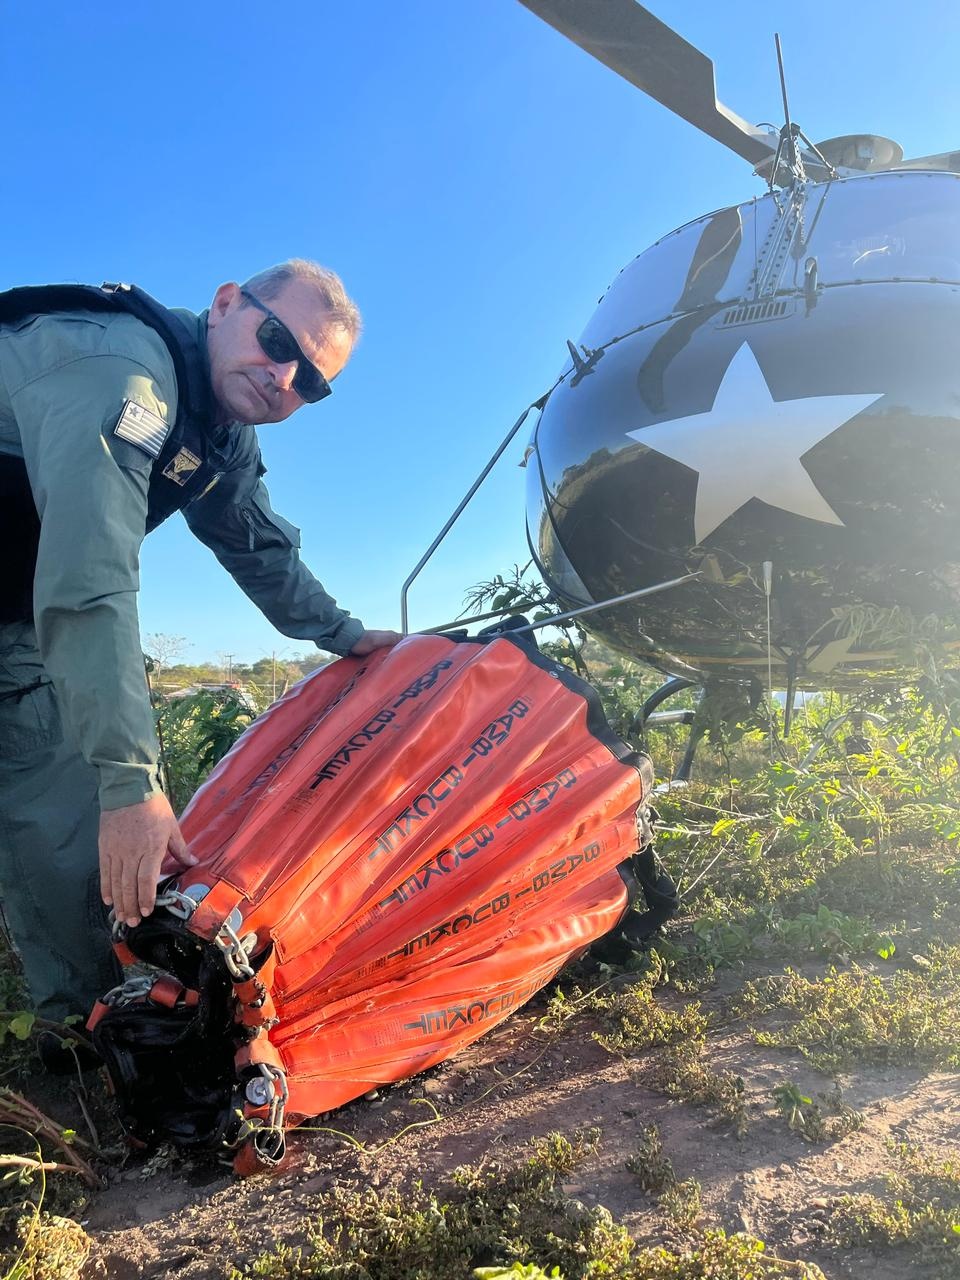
(895, 226)
(888, 226)
(699, 267)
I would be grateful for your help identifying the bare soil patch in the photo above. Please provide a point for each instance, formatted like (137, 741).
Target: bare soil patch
(173, 1218)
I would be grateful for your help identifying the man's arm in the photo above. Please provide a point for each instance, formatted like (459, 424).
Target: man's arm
(261, 551)
(67, 386)
(90, 489)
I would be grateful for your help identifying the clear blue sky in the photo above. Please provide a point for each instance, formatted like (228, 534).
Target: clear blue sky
(475, 179)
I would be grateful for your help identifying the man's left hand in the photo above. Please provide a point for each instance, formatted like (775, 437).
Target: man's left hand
(371, 640)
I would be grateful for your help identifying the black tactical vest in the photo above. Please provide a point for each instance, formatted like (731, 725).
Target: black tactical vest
(191, 458)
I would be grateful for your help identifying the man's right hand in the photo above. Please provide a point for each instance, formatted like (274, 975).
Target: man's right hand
(133, 843)
(371, 640)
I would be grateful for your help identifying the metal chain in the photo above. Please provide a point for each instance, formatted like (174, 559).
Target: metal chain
(128, 991)
(234, 951)
(178, 904)
(268, 1088)
(277, 1080)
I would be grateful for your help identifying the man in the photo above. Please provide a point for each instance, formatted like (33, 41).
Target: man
(115, 412)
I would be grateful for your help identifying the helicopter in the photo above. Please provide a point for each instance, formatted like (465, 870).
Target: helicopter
(763, 412)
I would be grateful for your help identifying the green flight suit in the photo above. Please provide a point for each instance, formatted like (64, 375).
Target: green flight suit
(76, 726)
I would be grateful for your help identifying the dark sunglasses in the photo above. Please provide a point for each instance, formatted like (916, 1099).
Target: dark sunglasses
(278, 344)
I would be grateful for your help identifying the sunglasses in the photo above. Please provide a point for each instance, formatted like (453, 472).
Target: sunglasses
(278, 344)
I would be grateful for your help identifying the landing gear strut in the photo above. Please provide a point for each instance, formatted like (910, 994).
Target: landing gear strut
(718, 701)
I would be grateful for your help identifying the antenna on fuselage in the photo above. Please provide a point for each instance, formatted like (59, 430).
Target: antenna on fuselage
(789, 134)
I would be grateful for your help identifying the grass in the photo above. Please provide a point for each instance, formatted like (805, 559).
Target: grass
(827, 903)
(845, 1017)
(918, 1216)
(504, 1222)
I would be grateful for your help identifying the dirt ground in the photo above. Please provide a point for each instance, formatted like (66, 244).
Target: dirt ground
(170, 1218)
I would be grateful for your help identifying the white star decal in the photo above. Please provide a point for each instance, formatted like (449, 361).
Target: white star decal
(749, 445)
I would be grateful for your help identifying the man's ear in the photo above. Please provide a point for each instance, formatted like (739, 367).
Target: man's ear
(226, 299)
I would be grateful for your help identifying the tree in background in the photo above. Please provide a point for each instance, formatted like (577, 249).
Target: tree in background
(198, 728)
(195, 732)
(163, 649)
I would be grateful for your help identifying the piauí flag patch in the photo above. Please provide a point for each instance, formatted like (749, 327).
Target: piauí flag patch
(141, 427)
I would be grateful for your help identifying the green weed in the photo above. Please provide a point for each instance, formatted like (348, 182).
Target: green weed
(682, 1203)
(649, 1164)
(720, 1257)
(49, 1248)
(635, 1021)
(826, 1119)
(563, 1154)
(653, 1169)
(920, 1213)
(528, 1271)
(489, 1217)
(496, 1223)
(910, 1019)
(682, 1072)
(196, 731)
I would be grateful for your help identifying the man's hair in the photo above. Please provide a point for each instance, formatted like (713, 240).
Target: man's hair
(339, 306)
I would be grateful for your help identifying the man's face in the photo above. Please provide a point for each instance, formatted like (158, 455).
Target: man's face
(248, 385)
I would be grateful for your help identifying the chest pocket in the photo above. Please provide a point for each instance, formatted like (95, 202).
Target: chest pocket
(265, 527)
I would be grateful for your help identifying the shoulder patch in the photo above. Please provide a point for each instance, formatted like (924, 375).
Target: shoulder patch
(141, 427)
(181, 467)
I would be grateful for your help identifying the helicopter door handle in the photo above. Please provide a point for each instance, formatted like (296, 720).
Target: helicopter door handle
(811, 273)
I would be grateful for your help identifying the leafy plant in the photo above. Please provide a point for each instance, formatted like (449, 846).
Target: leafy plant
(196, 731)
(824, 1119)
(488, 1217)
(634, 1020)
(912, 1018)
(490, 1222)
(649, 1164)
(920, 1212)
(801, 1113)
(721, 1257)
(17, 1023)
(682, 1203)
(50, 1247)
(827, 932)
(681, 1071)
(563, 1154)
(529, 1271)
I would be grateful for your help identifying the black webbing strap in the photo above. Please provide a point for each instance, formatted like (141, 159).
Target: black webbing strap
(660, 895)
(643, 873)
(193, 385)
(15, 695)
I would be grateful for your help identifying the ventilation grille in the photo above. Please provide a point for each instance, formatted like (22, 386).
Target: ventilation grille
(755, 312)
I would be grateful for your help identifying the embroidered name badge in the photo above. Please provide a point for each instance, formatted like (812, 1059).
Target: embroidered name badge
(139, 426)
(181, 466)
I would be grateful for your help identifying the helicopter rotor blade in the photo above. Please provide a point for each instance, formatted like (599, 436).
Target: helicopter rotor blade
(628, 39)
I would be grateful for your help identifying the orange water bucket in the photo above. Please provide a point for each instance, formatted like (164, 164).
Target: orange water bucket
(392, 859)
